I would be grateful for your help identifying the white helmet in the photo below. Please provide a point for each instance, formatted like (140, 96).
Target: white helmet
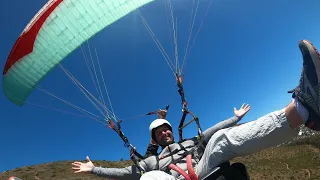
(156, 123)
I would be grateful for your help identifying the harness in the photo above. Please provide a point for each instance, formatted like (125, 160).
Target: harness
(199, 142)
(185, 154)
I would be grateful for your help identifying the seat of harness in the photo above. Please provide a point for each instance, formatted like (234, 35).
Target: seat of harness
(227, 171)
(224, 171)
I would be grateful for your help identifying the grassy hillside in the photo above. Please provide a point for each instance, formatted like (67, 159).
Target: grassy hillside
(298, 160)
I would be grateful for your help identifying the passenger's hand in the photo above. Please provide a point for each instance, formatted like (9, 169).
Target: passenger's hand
(83, 167)
(242, 111)
(162, 114)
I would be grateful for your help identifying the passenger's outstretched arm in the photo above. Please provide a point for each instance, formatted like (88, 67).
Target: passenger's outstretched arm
(238, 115)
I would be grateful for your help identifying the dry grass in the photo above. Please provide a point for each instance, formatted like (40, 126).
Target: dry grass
(296, 161)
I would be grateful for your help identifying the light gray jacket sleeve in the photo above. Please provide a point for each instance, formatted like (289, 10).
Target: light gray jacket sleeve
(130, 172)
(221, 125)
(127, 173)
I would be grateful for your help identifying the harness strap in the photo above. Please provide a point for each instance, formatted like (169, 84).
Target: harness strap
(157, 165)
(179, 170)
(191, 174)
(185, 110)
(186, 154)
(176, 151)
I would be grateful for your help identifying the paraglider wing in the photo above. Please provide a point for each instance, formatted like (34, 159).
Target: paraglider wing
(59, 28)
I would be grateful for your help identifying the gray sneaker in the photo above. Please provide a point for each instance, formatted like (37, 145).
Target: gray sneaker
(308, 89)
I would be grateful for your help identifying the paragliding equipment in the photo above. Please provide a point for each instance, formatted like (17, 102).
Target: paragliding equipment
(32, 58)
(134, 155)
(156, 112)
(185, 110)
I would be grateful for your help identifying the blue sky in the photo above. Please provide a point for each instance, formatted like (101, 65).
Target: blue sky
(246, 52)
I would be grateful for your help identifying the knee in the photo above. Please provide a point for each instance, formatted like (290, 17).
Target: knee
(219, 142)
(148, 175)
(156, 175)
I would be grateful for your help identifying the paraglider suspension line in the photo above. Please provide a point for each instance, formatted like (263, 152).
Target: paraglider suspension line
(133, 152)
(185, 110)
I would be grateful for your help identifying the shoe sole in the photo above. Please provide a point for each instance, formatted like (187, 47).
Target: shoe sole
(312, 51)
(315, 56)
